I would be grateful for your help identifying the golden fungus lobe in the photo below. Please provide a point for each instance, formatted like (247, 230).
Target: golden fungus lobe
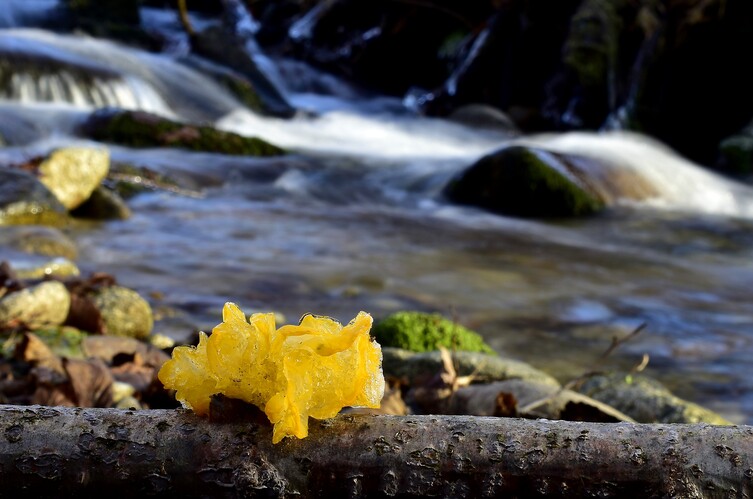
(313, 369)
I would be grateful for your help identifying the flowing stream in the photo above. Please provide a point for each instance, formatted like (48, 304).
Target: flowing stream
(354, 220)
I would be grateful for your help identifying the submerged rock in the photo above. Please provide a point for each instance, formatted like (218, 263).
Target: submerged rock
(141, 129)
(39, 240)
(526, 182)
(123, 312)
(25, 200)
(646, 400)
(421, 332)
(73, 173)
(45, 304)
(400, 363)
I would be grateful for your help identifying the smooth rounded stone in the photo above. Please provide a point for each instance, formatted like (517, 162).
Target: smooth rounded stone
(59, 267)
(73, 173)
(646, 400)
(400, 363)
(103, 204)
(124, 312)
(45, 304)
(24, 200)
(484, 117)
(39, 240)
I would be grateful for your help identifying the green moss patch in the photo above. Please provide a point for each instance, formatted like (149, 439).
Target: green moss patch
(422, 332)
(139, 129)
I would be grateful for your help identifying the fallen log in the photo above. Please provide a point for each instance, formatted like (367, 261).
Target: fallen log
(55, 451)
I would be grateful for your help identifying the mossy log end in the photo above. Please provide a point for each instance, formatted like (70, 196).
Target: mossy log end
(64, 451)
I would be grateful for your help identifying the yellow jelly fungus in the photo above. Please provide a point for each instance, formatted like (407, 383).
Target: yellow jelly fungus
(313, 369)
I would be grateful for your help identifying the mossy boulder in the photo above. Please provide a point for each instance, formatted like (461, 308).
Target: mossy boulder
(73, 173)
(484, 367)
(646, 400)
(141, 129)
(124, 312)
(422, 332)
(25, 200)
(526, 182)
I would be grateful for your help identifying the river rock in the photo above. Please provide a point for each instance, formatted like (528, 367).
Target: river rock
(25, 200)
(484, 367)
(124, 312)
(39, 240)
(141, 129)
(103, 204)
(646, 400)
(45, 304)
(73, 173)
(422, 332)
(526, 182)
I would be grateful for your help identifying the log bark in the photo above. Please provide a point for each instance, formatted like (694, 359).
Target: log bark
(58, 452)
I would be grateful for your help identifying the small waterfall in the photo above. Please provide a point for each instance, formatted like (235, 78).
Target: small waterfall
(41, 66)
(30, 85)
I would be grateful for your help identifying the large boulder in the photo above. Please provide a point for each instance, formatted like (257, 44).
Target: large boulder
(526, 182)
(25, 200)
(73, 173)
(140, 129)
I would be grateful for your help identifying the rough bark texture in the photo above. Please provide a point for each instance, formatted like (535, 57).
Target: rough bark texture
(63, 451)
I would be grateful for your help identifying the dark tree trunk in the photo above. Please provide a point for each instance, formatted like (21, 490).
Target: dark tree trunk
(64, 451)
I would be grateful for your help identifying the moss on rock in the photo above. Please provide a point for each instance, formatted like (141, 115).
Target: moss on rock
(140, 129)
(124, 312)
(484, 367)
(422, 332)
(646, 400)
(525, 182)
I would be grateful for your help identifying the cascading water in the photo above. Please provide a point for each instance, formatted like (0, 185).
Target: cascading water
(354, 219)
